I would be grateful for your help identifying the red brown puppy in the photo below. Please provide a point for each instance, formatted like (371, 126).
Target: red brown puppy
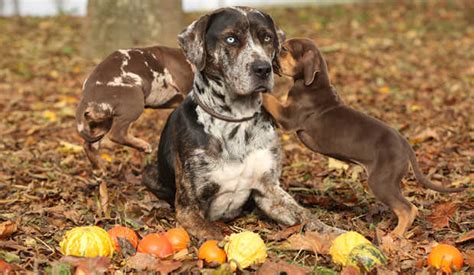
(327, 126)
(120, 87)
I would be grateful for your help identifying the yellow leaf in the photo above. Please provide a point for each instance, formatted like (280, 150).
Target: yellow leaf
(415, 107)
(285, 137)
(106, 157)
(68, 148)
(51, 116)
(336, 164)
(53, 74)
(384, 90)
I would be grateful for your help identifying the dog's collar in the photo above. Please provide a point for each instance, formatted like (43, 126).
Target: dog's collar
(220, 116)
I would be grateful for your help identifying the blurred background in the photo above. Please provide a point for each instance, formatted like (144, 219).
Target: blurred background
(408, 63)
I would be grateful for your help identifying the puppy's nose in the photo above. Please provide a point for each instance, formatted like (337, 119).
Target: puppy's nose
(262, 69)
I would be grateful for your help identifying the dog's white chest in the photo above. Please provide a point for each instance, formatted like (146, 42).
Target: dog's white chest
(236, 180)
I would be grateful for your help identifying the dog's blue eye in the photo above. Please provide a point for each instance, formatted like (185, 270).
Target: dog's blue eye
(230, 40)
(267, 38)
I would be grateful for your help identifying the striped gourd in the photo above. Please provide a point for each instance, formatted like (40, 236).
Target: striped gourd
(87, 241)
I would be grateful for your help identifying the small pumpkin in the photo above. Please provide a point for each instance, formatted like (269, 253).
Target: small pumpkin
(366, 256)
(124, 233)
(342, 246)
(155, 244)
(210, 252)
(446, 257)
(178, 238)
(87, 241)
(245, 249)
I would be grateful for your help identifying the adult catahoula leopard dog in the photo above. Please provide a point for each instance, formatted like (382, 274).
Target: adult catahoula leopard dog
(219, 148)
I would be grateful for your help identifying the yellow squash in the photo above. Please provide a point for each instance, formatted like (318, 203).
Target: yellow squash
(87, 241)
(245, 248)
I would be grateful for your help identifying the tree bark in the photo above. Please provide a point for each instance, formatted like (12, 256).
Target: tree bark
(116, 24)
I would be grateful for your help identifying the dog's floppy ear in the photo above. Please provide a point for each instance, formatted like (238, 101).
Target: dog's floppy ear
(192, 41)
(311, 65)
(281, 35)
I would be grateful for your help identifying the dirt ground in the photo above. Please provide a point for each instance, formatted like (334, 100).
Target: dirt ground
(410, 65)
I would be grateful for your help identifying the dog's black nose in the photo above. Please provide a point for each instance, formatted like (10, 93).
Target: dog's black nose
(262, 69)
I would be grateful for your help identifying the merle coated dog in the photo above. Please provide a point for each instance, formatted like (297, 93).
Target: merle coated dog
(219, 148)
(326, 125)
(121, 86)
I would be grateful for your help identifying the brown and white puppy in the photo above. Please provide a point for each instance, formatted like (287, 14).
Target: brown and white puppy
(219, 149)
(120, 87)
(327, 126)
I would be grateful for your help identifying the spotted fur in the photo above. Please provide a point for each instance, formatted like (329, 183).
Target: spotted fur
(208, 168)
(120, 87)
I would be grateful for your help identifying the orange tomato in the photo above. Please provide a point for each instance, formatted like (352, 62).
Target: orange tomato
(445, 257)
(156, 245)
(210, 252)
(178, 238)
(124, 233)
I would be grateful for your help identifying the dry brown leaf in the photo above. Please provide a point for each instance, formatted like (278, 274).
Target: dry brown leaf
(466, 237)
(146, 262)
(104, 198)
(441, 214)
(469, 256)
(350, 270)
(424, 136)
(270, 267)
(284, 234)
(5, 268)
(310, 241)
(7, 228)
(87, 266)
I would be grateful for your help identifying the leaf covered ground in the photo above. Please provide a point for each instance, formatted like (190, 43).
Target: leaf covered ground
(411, 65)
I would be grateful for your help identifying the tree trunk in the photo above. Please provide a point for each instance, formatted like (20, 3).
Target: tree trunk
(116, 24)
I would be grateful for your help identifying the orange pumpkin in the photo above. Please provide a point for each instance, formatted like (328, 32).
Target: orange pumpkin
(124, 233)
(446, 257)
(178, 238)
(210, 252)
(156, 245)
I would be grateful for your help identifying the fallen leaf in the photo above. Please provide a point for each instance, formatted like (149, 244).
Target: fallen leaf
(441, 214)
(337, 164)
(87, 266)
(350, 270)
(284, 234)
(68, 148)
(469, 256)
(180, 255)
(50, 116)
(5, 268)
(7, 228)
(466, 237)
(270, 267)
(104, 198)
(427, 134)
(106, 157)
(9, 256)
(146, 262)
(310, 241)
(384, 90)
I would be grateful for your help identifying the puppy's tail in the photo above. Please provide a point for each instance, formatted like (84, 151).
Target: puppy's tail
(422, 179)
(94, 122)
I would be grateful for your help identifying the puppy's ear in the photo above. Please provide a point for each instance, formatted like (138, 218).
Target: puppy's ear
(192, 41)
(311, 65)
